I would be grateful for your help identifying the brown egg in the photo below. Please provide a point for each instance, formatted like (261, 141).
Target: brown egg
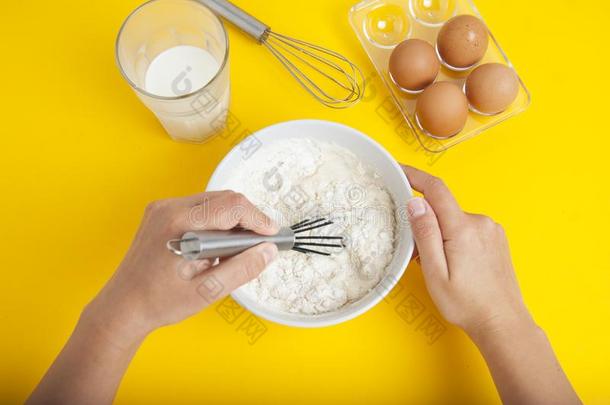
(413, 64)
(442, 109)
(462, 41)
(491, 88)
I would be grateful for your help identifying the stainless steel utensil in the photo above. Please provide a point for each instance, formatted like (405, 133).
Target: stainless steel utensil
(302, 59)
(197, 245)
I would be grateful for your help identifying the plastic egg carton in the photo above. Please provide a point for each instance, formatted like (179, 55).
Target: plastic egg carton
(382, 24)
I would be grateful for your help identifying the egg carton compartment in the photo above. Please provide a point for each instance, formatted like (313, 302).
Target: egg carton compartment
(382, 24)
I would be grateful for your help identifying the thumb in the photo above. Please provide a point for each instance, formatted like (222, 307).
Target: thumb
(219, 281)
(428, 238)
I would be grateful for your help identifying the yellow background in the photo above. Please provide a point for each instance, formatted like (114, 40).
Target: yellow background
(81, 157)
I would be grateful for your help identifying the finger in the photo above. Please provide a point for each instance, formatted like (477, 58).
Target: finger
(443, 203)
(429, 240)
(227, 210)
(221, 280)
(192, 200)
(189, 269)
(196, 199)
(240, 211)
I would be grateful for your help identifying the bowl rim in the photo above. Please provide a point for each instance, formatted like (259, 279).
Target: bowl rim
(313, 323)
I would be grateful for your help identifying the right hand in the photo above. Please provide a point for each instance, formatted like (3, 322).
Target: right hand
(153, 287)
(465, 260)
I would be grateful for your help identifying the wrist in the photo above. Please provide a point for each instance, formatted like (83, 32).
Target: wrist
(118, 326)
(503, 328)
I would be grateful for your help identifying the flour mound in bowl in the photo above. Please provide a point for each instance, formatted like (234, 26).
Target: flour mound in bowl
(295, 179)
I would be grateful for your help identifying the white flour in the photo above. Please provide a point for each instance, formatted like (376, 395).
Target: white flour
(296, 179)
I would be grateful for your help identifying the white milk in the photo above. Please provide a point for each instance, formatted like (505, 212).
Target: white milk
(182, 70)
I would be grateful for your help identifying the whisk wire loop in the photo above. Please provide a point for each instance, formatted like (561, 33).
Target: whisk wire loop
(346, 76)
(304, 250)
(314, 240)
(316, 57)
(292, 68)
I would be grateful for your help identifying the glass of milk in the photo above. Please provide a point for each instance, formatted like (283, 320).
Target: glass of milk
(175, 55)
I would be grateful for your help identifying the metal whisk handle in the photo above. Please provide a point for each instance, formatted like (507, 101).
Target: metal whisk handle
(239, 17)
(198, 245)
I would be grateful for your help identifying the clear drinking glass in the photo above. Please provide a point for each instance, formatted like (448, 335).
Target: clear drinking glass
(158, 25)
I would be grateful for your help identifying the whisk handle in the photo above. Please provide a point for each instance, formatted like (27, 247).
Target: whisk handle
(239, 17)
(198, 245)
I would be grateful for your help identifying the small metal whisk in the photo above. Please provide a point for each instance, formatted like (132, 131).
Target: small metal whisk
(302, 59)
(199, 245)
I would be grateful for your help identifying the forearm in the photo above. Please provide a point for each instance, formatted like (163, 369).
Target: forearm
(523, 365)
(89, 369)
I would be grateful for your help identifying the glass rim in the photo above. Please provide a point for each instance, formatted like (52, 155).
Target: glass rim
(182, 96)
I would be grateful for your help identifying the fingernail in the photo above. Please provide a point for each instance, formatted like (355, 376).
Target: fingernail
(416, 207)
(269, 252)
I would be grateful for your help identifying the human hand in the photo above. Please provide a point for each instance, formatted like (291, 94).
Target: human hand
(153, 287)
(465, 261)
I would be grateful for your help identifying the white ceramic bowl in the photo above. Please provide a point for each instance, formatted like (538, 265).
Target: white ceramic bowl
(370, 152)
